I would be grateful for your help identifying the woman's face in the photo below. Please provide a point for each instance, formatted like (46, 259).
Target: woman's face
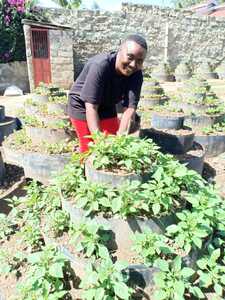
(130, 58)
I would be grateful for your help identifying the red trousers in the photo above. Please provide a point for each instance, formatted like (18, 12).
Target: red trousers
(109, 126)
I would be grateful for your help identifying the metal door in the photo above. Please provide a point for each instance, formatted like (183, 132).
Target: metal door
(40, 55)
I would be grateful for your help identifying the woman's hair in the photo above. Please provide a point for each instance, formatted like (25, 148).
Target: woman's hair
(137, 39)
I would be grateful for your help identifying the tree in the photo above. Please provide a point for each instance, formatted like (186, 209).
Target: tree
(70, 4)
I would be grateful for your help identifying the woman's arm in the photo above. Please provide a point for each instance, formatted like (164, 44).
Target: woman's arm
(126, 120)
(92, 117)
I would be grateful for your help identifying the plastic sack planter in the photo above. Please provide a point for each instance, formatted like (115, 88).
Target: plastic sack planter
(42, 167)
(151, 102)
(172, 142)
(12, 156)
(7, 126)
(214, 143)
(41, 99)
(39, 135)
(121, 229)
(139, 275)
(194, 159)
(203, 120)
(31, 109)
(56, 108)
(167, 121)
(51, 120)
(114, 179)
(2, 113)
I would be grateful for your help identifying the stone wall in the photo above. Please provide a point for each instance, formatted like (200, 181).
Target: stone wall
(190, 37)
(61, 57)
(14, 73)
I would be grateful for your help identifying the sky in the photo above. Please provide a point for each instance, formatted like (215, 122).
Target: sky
(116, 4)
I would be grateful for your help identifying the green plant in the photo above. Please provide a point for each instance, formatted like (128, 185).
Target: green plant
(90, 238)
(217, 127)
(174, 282)
(93, 197)
(190, 232)
(11, 263)
(33, 121)
(123, 153)
(70, 178)
(212, 273)
(150, 246)
(59, 147)
(162, 192)
(45, 276)
(58, 99)
(201, 204)
(31, 234)
(57, 221)
(215, 110)
(106, 281)
(42, 89)
(6, 226)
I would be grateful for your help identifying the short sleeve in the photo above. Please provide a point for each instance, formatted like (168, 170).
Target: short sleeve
(92, 90)
(133, 91)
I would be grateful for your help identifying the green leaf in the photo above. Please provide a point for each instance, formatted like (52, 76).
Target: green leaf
(187, 272)
(121, 290)
(202, 263)
(162, 265)
(103, 252)
(156, 208)
(179, 287)
(196, 291)
(218, 289)
(56, 270)
(172, 228)
(215, 255)
(197, 242)
(160, 295)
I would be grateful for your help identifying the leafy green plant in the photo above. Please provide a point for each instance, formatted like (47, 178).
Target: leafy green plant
(174, 282)
(70, 178)
(31, 234)
(201, 204)
(150, 246)
(218, 127)
(57, 221)
(11, 263)
(58, 99)
(90, 238)
(106, 281)
(212, 273)
(6, 226)
(123, 153)
(93, 197)
(190, 232)
(60, 147)
(45, 276)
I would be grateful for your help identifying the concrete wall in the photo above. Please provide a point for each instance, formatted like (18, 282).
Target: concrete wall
(14, 73)
(190, 37)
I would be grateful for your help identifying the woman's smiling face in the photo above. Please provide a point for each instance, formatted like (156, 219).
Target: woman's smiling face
(130, 58)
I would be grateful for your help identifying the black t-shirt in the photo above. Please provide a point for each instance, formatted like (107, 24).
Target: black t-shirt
(98, 83)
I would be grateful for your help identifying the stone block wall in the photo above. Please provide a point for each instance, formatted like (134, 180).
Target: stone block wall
(14, 73)
(61, 57)
(190, 37)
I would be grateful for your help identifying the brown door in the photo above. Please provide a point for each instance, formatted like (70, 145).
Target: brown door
(40, 55)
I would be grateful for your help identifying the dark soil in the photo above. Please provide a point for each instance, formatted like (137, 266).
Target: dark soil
(13, 174)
